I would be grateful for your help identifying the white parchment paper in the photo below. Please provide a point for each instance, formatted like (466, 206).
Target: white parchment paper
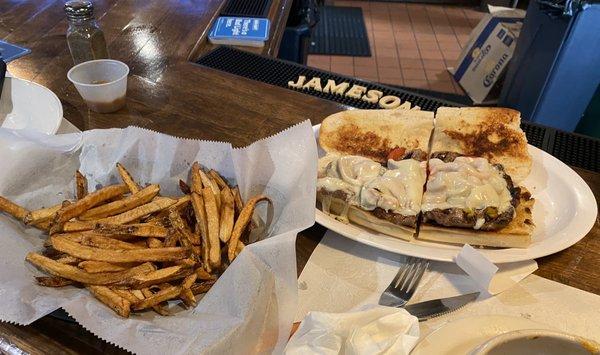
(249, 310)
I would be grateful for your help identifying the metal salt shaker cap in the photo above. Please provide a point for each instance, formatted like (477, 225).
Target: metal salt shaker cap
(79, 9)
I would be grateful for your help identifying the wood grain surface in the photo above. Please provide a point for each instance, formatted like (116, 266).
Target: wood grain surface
(169, 94)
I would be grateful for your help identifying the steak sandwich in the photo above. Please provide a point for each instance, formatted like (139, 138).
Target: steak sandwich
(478, 157)
(375, 168)
(393, 172)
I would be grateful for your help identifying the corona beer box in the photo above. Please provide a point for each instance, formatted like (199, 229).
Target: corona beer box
(488, 52)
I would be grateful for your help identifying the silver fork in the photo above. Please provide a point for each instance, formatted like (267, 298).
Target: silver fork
(403, 286)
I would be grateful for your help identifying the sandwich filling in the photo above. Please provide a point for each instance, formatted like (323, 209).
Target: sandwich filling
(393, 192)
(468, 192)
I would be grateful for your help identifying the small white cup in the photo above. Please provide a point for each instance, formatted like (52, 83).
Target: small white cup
(102, 83)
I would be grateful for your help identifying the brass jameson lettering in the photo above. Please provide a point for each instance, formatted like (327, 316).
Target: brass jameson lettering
(344, 89)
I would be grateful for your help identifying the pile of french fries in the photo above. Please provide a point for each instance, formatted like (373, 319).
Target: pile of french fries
(134, 249)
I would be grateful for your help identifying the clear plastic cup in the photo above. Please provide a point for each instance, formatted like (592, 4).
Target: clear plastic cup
(101, 83)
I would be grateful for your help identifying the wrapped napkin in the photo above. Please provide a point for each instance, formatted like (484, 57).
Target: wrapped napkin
(251, 307)
(370, 331)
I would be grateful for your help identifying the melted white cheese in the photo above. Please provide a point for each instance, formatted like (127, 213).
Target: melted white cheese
(465, 183)
(369, 185)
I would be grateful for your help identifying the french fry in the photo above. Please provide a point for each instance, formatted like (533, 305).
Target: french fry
(212, 219)
(157, 277)
(53, 281)
(103, 242)
(73, 273)
(118, 256)
(81, 185)
(196, 178)
(76, 209)
(111, 299)
(218, 179)
(12, 208)
(157, 298)
(242, 223)
(189, 280)
(138, 230)
(239, 248)
(237, 198)
(208, 182)
(41, 215)
(127, 179)
(202, 287)
(158, 204)
(126, 294)
(178, 223)
(110, 209)
(158, 308)
(94, 267)
(226, 215)
(78, 226)
(186, 262)
(185, 188)
(68, 259)
(154, 243)
(188, 297)
(181, 202)
(171, 240)
(201, 224)
(203, 275)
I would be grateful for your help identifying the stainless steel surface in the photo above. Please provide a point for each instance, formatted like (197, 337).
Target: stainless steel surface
(403, 286)
(429, 309)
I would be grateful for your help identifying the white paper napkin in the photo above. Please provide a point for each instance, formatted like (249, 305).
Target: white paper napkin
(249, 310)
(343, 275)
(372, 330)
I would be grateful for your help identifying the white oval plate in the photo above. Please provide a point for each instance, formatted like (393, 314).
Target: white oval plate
(27, 105)
(565, 210)
(461, 336)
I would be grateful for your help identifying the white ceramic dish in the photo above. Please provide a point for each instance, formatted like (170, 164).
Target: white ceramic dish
(462, 336)
(27, 105)
(565, 210)
(537, 341)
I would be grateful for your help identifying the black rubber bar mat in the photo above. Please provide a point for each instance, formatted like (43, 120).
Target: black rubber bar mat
(278, 72)
(573, 149)
(246, 8)
(340, 31)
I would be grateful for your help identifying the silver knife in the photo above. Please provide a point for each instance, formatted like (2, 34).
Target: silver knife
(429, 309)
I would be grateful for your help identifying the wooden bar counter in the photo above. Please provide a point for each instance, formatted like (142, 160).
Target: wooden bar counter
(170, 94)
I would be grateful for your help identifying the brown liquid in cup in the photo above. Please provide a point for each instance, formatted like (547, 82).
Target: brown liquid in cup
(98, 82)
(106, 107)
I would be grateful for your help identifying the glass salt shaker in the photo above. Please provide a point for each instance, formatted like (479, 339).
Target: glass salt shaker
(86, 40)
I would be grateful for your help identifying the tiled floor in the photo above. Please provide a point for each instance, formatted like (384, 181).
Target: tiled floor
(411, 44)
